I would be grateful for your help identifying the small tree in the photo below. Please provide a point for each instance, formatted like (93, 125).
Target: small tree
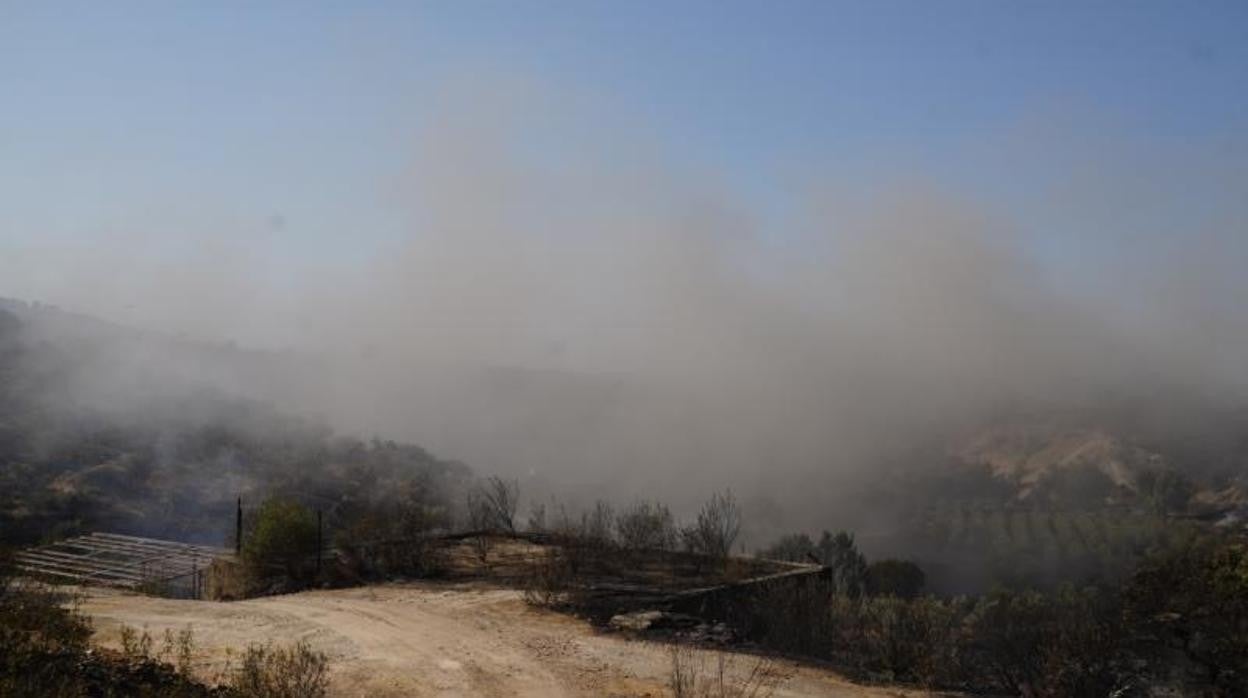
(283, 537)
(492, 505)
(716, 528)
(418, 508)
(597, 525)
(646, 526)
(849, 567)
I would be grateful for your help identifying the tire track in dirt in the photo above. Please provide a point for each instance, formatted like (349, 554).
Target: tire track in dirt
(424, 639)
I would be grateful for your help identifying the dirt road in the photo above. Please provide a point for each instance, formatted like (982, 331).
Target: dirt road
(417, 639)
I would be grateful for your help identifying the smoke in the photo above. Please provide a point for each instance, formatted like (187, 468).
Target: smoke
(597, 320)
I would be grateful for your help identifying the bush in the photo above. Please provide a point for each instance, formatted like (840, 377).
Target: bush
(716, 528)
(584, 541)
(913, 640)
(552, 580)
(584, 546)
(269, 672)
(691, 677)
(597, 527)
(1195, 601)
(492, 505)
(1068, 643)
(1008, 630)
(41, 642)
(646, 526)
(793, 619)
(36, 614)
(282, 539)
(849, 567)
(390, 537)
(44, 652)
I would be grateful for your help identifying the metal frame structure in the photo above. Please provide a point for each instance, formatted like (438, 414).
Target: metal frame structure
(115, 560)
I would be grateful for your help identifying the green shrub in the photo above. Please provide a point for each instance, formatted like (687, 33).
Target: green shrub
(282, 540)
(276, 672)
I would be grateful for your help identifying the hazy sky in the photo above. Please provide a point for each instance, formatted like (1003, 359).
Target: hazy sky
(292, 125)
(798, 231)
(235, 170)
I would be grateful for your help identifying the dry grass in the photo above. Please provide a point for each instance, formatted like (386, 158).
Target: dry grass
(281, 672)
(264, 671)
(695, 675)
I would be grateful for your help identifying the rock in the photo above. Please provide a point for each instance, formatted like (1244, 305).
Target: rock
(653, 620)
(638, 621)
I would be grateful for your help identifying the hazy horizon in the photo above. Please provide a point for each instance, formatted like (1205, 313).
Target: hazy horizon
(776, 247)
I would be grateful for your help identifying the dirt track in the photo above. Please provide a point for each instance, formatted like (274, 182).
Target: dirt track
(432, 640)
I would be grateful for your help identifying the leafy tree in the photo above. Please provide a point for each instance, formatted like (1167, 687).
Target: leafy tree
(282, 537)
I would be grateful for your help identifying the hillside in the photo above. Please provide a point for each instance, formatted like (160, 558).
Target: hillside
(1039, 500)
(152, 450)
(1071, 522)
(103, 426)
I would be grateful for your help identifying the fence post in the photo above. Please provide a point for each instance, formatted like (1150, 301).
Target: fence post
(238, 529)
(319, 534)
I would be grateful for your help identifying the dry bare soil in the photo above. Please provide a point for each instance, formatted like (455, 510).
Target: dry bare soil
(425, 639)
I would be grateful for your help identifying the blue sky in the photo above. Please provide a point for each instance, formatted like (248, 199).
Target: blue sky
(290, 123)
